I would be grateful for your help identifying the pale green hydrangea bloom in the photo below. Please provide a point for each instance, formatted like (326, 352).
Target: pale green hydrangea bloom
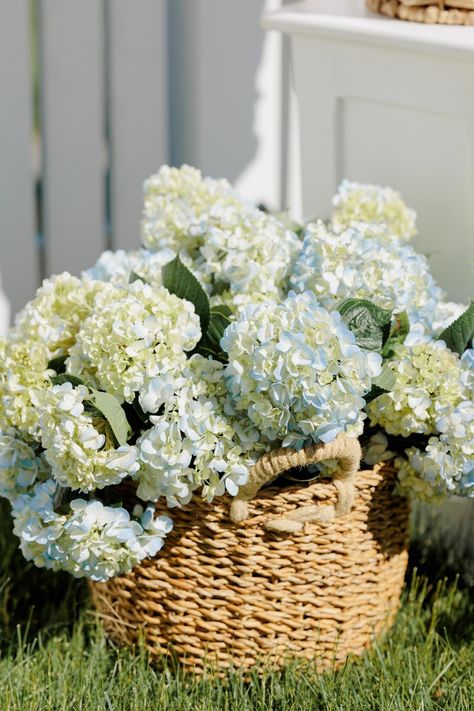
(297, 371)
(54, 316)
(23, 371)
(429, 377)
(76, 445)
(44, 329)
(135, 334)
(180, 206)
(233, 246)
(91, 540)
(358, 202)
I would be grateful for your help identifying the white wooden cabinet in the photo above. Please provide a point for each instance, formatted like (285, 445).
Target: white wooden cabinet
(388, 102)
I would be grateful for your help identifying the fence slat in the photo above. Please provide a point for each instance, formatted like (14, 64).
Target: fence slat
(18, 248)
(138, 108)
(73, 130)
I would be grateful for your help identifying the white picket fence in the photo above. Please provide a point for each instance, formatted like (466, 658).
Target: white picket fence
(122, 88)
(103, 114)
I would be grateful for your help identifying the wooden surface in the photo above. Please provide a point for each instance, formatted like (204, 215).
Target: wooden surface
(138, 120)
(18, 246)
(73, 132)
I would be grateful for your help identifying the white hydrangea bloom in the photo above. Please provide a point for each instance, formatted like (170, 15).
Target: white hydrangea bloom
(23, 371)
(118, 266)
(429, 377)
(21, 465)
(358, 202)
(37, 525)
(92, 540)
(446, 467)
(296, 370)
(165, 459)
(445, 313)
(76, 446)
(180, 206)
(417, 334)
(54, 316)
(135, 333)
(250, 256)
(358, 264)
(234, 247)
(197, 442)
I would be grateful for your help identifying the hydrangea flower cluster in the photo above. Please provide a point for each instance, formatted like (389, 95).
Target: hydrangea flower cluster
(198, 441)
(357, 203)
(45, 329)
(136, 336)
(119, 266)
(75, 442)
(297, 371)
(56, 313)
(428, 379)
(21, 465)
(433, 395)
(447, 463)
(242, 253)
(23, 372)
(164, 373)
(364, 262)
(92, 540)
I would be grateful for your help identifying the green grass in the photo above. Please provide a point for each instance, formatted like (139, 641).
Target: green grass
(54, 656)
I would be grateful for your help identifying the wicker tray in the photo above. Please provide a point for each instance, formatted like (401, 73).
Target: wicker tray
(451, 12)
(225, 594)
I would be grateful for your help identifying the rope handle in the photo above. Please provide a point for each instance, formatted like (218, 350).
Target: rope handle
(345, 450)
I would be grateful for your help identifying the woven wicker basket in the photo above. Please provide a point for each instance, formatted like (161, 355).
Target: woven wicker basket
(432, 12)
(276, 585)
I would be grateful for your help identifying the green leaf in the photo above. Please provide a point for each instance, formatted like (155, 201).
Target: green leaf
(58, 364)
(222, 309)
(460, 333)
(386, 379)
(398, 332)
(91, 410)
(210, 343)
(384, 383)
(113, 412)
(66, 378)
(369, 323)
(179, 281)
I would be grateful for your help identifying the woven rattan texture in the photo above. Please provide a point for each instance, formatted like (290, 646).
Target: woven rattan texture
(431, 12)
(235, 595)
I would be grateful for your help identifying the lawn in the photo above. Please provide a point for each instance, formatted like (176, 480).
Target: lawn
(54, 654)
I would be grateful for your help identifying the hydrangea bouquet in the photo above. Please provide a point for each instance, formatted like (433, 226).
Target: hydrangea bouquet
(230, 332)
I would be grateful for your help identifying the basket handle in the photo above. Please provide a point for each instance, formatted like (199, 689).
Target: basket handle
(346, 450)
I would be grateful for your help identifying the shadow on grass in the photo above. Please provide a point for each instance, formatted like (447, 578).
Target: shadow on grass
(32, 601)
